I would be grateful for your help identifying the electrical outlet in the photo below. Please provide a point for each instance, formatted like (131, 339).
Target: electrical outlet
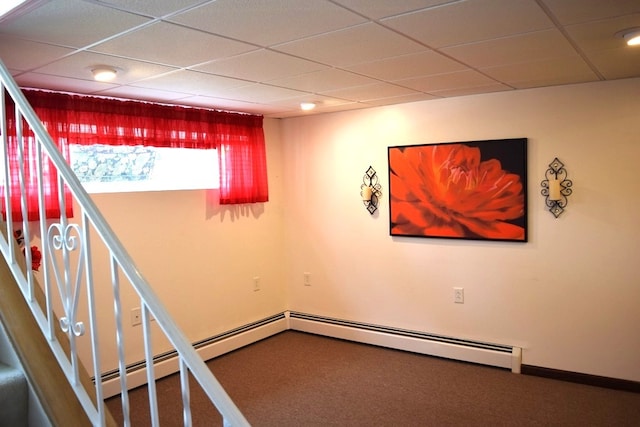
(307, 279)
(256, 283)
(136, 316)
(458, 295)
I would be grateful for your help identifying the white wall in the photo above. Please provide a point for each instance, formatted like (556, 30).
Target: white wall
(570, 296)
(198, 256)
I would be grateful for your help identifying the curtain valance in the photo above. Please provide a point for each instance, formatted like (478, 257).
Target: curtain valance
(86, 120)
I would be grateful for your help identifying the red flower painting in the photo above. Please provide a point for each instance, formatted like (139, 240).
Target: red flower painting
(451, 190)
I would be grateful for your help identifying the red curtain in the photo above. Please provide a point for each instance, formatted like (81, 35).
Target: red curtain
(242, 156)
(85, 120)
(49, 174)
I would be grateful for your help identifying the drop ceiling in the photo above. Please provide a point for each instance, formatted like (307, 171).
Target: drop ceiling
(267, 56)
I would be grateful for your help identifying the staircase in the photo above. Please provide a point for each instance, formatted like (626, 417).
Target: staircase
(18, 405)
(13, 397)
(47, 315)
(14, 391)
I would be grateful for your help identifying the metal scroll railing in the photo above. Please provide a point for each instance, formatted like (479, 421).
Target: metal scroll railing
(72, 286)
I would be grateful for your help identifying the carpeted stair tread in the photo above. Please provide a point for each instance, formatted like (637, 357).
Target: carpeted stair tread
(14, 397)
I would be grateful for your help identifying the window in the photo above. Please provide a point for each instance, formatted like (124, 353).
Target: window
(235, 139)
(123, 168)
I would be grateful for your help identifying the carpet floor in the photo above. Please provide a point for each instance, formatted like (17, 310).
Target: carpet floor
(299, 379)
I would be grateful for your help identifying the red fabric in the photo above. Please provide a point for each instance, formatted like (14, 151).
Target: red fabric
(49, 175)
(243, 164)
(85, 120)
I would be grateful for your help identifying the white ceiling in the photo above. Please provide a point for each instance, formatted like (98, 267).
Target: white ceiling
(267, 56)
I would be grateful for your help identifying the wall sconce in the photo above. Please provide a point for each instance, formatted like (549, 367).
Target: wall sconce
(370, 190)
(556, 187)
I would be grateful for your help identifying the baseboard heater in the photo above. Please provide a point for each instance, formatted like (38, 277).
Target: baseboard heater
(498, 355)
(167, 363)
(502, 356)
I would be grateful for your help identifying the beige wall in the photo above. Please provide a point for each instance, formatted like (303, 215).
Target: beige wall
(570, 296)
(199, 257)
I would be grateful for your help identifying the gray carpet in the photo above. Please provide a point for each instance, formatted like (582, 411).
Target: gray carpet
(14, 397)
(298, 379)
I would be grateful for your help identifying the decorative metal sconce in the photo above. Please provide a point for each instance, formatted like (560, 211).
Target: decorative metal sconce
(370, 190)
(556, 187)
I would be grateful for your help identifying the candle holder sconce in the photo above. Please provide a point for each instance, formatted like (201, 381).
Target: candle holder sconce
(370, 190)
(556, 187)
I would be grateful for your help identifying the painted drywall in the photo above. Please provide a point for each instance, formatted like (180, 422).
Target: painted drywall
(199, 257)
(570, 296)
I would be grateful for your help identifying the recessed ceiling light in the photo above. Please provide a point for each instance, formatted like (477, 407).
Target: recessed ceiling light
(632, 39)
(103, 74)
(306, 106)
(631, 36)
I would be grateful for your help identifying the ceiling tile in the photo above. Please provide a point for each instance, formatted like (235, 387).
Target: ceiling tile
(260, 66)
(533, 46)
(370, 92)
(476, 90)
(26, 55)
(342, 107)
(543, 73)
(322, 81)
(155, 8)
(601, 35)
(406, 66)
(142, 93)
(415, 97)
(191, 82)
(471, 21)
(65, 84)
(573, 12)
(170, 44)
(376, 9)
(261, 93)
(297, 112)
(267, 55)
(362, 43)
(79, 65)
(72, 23)
(321, 101)
(232, 105)
(287, 20)
(449, 81)
(617, 63)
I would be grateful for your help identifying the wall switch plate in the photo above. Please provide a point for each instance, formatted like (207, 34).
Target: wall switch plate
(256, 283)
(307, 279)
(458, 295)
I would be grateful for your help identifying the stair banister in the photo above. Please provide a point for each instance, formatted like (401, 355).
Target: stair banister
(189, 360)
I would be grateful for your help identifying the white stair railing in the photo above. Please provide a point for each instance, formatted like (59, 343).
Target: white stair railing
(71, 286)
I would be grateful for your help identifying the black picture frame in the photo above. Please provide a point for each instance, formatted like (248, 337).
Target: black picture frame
(473, 190)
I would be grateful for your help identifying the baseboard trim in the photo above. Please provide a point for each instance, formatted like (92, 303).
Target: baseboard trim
(491, 354)
(167, 363)
(498, 355)
(580, 378)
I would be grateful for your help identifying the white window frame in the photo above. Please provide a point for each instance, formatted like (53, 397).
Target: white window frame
(172, 169)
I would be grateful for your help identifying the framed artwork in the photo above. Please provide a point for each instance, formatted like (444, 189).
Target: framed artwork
(475, 190)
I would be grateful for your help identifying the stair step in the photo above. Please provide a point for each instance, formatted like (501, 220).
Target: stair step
(14, 397)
